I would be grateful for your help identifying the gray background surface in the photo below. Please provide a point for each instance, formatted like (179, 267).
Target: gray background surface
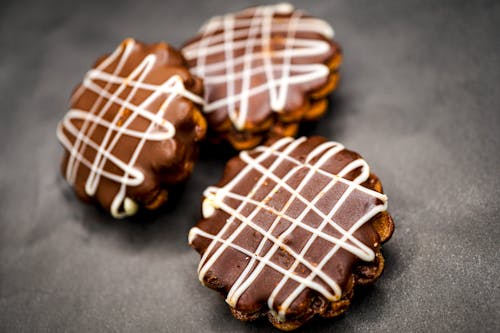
(419, 98)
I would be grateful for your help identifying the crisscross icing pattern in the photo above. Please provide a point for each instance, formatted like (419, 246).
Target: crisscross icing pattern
(306, 185)
(238, 53)
(109, 87)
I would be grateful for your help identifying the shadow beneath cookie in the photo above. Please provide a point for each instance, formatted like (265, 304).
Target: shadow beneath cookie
(320, 324)
(342, 322)
(165, 228)
(331, 124)
(223, 320)
(362, 306)
(262, 324)
(363, 295)
(210, 151)
(394, 265)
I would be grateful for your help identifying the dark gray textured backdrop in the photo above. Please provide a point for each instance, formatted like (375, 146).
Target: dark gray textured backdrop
(419, 98)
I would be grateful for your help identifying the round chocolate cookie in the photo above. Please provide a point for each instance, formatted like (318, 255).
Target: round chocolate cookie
(265, 69)
(290, 229)
(132, 128)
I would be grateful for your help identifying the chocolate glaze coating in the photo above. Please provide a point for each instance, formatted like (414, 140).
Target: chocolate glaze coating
(240, 55)
(134, 116)
(231, 263)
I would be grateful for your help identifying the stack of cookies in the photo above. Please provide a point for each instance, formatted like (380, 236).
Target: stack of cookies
(294, 224)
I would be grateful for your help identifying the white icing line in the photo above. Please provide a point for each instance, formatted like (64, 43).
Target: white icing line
(228, 50)
(368, 255)
(311, 284)
(246, 74)
(222, 193)
(374, 211)
(323, 153)
(159, 129)
(226, 35)
(73, 164)
(281, 183)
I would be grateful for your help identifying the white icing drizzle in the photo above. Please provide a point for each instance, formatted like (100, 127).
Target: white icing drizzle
(229, 33)
(281, 150)
(159, 128)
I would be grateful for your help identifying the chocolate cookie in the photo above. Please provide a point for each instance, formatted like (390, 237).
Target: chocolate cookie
(290, 229)
(132, 128)
(264, 69)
